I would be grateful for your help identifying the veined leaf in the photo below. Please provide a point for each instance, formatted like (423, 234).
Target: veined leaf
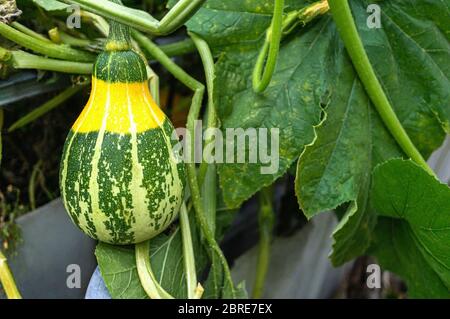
(118, 265)
(416, 207)
(235, 31)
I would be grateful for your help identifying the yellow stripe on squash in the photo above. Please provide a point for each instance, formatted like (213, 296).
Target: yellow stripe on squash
(117, 98)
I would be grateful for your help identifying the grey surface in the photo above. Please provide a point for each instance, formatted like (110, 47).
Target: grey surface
(51, 242)
(299, 266)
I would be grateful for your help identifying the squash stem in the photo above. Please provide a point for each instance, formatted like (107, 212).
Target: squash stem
(174, 19)
(271, 47)
(7, 279)
(347, 29)
(266, 220)
(29, 32)
(216, 252)
(194, 289)
(145, 272)
(24, 60)
(279, 28)
(51, 50)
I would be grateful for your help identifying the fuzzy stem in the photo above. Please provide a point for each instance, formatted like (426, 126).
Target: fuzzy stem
(347, 29)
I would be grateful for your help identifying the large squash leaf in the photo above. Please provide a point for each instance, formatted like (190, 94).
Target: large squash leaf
(413, 237)
(402, 57)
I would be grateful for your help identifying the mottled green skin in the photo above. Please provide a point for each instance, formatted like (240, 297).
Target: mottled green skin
(122, 224)
(120, 66)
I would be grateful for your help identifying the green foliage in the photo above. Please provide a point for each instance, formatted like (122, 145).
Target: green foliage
(413, 234)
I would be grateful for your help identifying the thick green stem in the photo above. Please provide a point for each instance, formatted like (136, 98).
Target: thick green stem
(145, 272)
(7, 279)
(25, 60)
(29, 32)
(40, 46)
(266, 221)
(141, 20)
(74, 41)
(271, 46)
(347, 29)
(46, 107)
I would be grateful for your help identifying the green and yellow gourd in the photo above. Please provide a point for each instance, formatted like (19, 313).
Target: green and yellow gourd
(119, 179)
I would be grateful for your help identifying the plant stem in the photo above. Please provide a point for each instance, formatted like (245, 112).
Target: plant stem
(272, 47)
(74, 41)
(178, 48)
(145, 272)
(49, 49)
(193, 288)
(141, 20)
(280, 27)
(347, 29)
(46, 107)
(208, 64)
(7, 279)
(212, 121)
(29, 32)
(25, 60)
(266, 220)
(194, 112)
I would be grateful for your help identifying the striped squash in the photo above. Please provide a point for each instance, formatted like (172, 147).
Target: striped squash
(119, 179)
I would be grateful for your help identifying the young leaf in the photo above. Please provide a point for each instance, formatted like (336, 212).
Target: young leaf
(416, 227)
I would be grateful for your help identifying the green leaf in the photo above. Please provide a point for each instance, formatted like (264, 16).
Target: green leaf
(235, 30)
(413, 238)
(118, 265)
(411, 54)
(51, 5)
(118, 268)
(335, 169)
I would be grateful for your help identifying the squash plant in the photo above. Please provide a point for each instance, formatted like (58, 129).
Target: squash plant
(359, 110)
